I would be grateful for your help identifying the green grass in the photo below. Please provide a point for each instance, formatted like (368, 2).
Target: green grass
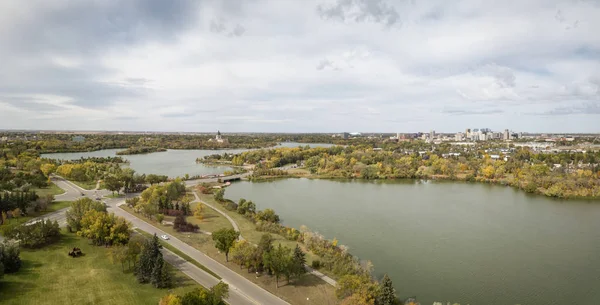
(181, 254)
(248, 228)
(51, 189)
(50, 276)
(115, 195)
(87, 185)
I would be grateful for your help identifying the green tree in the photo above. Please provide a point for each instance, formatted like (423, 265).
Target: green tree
(10, 257)
(387, 295)
(160, 277)
(78, 209)
(278, 261)
(298, 261)
(113, 183)
(219, 195)
(224, 239)
(150, 252)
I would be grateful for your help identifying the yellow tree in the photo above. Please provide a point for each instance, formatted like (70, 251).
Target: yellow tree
(199, 211)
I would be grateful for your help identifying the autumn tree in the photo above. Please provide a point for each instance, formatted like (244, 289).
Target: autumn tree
(78, 209)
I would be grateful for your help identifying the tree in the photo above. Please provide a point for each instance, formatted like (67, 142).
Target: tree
(224, 239)
(119, 255)
(113, 184)
(160, 277)
(104, 229)
(10, 257)
(298, 262)
(241, 253)
(150, 252)
(78, 209)
(170, 299)
(268, 215)
(219, 195)
(278, 261)
(199, 211)
(160, 218)
(387, 295)
(45, 201)
(35, 234)
(48, 169)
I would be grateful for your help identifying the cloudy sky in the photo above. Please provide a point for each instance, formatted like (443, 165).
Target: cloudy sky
(300, 65)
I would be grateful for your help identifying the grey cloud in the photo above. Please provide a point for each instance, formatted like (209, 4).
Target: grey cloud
(29, 103)
(140, 81)
(584, 108)
(219, 26)
(377, 11)
(471, 112)
(81, 85)
(325, 63)
(92, 26)
(238, 30)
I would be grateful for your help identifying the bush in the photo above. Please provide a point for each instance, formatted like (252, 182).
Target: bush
(181, 225)
(230, 205)
(316, 264)
(9, 257)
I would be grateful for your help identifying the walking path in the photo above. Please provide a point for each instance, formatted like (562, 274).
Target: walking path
(318, 274)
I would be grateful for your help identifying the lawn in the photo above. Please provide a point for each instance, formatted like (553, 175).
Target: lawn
(50, 276)
(51, 189)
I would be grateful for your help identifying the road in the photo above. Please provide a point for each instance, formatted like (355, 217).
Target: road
(252, 293)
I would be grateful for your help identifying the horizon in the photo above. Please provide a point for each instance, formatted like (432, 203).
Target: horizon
(300, 67)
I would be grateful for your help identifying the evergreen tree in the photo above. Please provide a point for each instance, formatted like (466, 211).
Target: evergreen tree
(298, 262)
(150, 252)
(388, 293)
(157, 272)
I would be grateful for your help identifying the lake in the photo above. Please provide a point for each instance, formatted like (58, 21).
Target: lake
(173, 162)
(459, 242)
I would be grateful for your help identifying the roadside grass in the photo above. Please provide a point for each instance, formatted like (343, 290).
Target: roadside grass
(115, 195)
(51, 189)
(178, 252)
(87, 185)
(211, 219)
(53, 207)
(49, 276)
(308, 286)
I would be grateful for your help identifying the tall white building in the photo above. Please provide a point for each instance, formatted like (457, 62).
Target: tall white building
(506, 135)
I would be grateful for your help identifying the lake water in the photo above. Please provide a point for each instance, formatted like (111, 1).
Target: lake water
(466, 243)
(173, 162)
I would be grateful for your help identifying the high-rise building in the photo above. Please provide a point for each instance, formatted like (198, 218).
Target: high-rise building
(432, 135)
(468, 133)
(506, 135)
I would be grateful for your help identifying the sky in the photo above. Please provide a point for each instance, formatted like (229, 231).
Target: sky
(300, 65)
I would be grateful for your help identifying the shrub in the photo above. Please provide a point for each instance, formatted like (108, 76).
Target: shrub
(316, 264)
(181, 225)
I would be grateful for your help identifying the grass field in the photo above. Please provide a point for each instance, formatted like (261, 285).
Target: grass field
(50, 276)
(52, 189)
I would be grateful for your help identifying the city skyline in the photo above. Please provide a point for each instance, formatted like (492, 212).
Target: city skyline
(300, 66)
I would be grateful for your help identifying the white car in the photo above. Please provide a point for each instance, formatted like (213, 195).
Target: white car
(165, 237)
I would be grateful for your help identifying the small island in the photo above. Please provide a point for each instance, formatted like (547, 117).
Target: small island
(140, 150)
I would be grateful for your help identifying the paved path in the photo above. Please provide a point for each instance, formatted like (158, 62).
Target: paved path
(318, 274)
(233, 223)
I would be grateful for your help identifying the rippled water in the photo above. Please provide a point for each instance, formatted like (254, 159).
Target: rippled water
(465, 243)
